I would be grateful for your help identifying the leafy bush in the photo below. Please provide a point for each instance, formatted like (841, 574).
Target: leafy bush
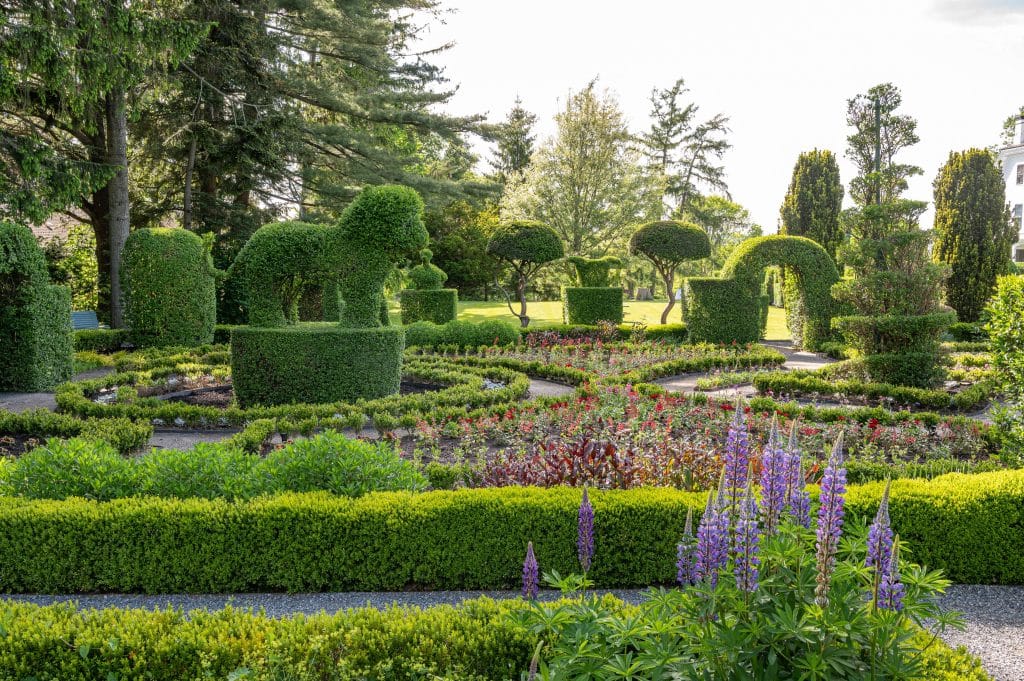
(35, 317)
(315, 364)
(471, 539)
(328, 462)
(120, 433)
(99, 340)
(968, 332)
(1006, 327)
(594, 272)
(170, 288)
(434, 305)
(461, 334)
(668, 244)
(589, 306)
(672, 333)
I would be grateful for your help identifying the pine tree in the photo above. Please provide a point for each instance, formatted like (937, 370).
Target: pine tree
(515, 143)
(880, 134)
(814, 200)
(973, 229)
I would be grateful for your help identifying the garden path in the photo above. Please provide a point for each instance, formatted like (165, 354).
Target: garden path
(994, 615)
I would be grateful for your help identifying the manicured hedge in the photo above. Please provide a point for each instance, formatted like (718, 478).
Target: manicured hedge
(475, 641)
(122, 434)
(592, 305)
(461, 333)
(720, 311)
(100, 340)
(170, 288)
(967, 525)
(35, 316)
(315, 364)
(432, 305)
(670, 333)
(738, 357)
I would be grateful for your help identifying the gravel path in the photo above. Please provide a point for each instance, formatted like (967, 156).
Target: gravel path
(994, 614)
(542, 388)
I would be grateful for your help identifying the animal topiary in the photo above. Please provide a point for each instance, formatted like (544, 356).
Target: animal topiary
(426, 300)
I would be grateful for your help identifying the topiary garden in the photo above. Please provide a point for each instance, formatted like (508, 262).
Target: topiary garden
(594, 299)
(426, 300)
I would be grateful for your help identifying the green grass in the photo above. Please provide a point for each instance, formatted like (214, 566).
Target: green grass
(648, 312)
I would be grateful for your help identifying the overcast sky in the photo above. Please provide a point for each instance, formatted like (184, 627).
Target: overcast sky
(782, 70)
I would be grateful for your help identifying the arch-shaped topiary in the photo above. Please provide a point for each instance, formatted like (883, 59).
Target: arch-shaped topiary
(595, 299)
(732, 307)
(35, 316)
(359, 357)
(426, 300)
(170, 288)
(525, 246)
(667, 244)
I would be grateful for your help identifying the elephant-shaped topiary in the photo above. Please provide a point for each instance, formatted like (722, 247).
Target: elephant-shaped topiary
(377, 230)
(274, 360)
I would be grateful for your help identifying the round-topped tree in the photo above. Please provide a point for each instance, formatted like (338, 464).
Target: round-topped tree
(426, 300)
(668, 244)
(525, 246)
(595, 299)
(275, 360)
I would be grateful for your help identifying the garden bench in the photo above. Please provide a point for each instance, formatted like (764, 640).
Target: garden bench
(84, 319)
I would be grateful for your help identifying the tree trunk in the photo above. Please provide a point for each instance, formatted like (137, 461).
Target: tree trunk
(524, 321)
(670, 288)
(190, 165)
(98, 210)
(120, 217)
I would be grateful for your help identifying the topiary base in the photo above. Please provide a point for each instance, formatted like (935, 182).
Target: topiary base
(590, 305)
(320, 363)
(439, 306)
(37, 341)
(721, 311)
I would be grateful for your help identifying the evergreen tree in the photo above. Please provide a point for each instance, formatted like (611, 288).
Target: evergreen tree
(973, 229)
(726, 223)
(1009, 127)
(880, 134)
(459, 233)
(814, 200)
(587, 183)
(688, 152)
(515, 143)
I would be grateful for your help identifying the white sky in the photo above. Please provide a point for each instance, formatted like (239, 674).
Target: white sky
(782, 70)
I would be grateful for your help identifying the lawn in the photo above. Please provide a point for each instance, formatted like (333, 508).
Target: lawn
(648, 312)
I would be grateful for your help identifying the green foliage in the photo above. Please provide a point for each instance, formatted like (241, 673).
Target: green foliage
(814, 200)
(99, 340)
(315, 364)
(525, 244)
(732, 307)
(170, 288)
(426, 276)
(878, 127)
(594, 272)
(589, 306)
(35, 317)
(973, 229)
(93, 470)
(461, 334)
(459, 233)
(668, 244)
(964, 525)
(438, 305)
(968, 332)
(122, 434)
(1006, 328)
(72, 263)
(514, 143)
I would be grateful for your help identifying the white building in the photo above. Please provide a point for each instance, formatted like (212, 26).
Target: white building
(1012, 158)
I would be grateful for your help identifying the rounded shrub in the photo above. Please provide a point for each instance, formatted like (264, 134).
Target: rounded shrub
(35, 316)
(461, 333)
(170, 288)
(668, 244)
(423, 334)
(319, 363)
(592, 305)
(524, 246)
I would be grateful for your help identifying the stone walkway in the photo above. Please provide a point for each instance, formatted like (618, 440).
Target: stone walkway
(994, 615)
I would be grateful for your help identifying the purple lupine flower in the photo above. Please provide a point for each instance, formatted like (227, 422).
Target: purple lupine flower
(585, 532)
(890, 589)
(798, 500)
(830, 520)
(774, 465)
(746, 543)
(686, 554)
(531, 574)
(712, 540)
(880, 536)
(737, 456)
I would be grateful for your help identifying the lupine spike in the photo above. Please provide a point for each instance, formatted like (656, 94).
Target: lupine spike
(891, 589)
(531, 574)
(774, 466)
(830, 520)
(880, 535)
(737, 455)
(585, 533)
(712, 541)
(746, 544)
(686, 551)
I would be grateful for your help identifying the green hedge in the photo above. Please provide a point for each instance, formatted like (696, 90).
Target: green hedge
(718, 311)
(35, 317)
(967, 525)
(592, 305)
(475, 641)
(170, 288)
(99, 340)
(315, 364)
(122, 434)
(900, 349)
(669, 333)
(968, 332)
(461, 333)
(432, 305)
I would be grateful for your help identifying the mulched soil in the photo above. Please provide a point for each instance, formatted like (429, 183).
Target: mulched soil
(16, 445)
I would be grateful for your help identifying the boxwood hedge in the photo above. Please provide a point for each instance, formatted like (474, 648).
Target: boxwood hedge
(121, 433)
(967, 525)
(590, 305)
(432, 305)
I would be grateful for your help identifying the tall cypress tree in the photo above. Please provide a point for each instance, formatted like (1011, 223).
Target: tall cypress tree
(973, 229)
(814, 200)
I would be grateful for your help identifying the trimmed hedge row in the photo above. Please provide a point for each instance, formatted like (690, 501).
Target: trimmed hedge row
(967, 525)
(475, 641)
(100, 340)
(461, 333)
(432, 305)
(122, 434)
(670, 333)
(315, 364)
(592, 305)
(741, 357)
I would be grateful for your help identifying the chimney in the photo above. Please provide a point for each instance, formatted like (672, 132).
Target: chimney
(1018, 131)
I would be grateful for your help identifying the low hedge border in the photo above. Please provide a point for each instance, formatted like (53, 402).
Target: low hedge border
(121, 433)
(439, 306)
(970, 526)
(100, 340)
(743, 357)
(671, 333)
(468, 393)
(475, 641)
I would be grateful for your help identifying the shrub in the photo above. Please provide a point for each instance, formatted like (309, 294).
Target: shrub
(438, 305)
(170, 288)
(594, 272)
(668, 244)
(592, 305)
(525, 246)
(968, 332)
(122, 434)
(1006, 327)
(899, 349)
(423, 334)
(35, 317)
(717, 311)
(964, 525)
(99, 340)
(315, 364)
(461, 334)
